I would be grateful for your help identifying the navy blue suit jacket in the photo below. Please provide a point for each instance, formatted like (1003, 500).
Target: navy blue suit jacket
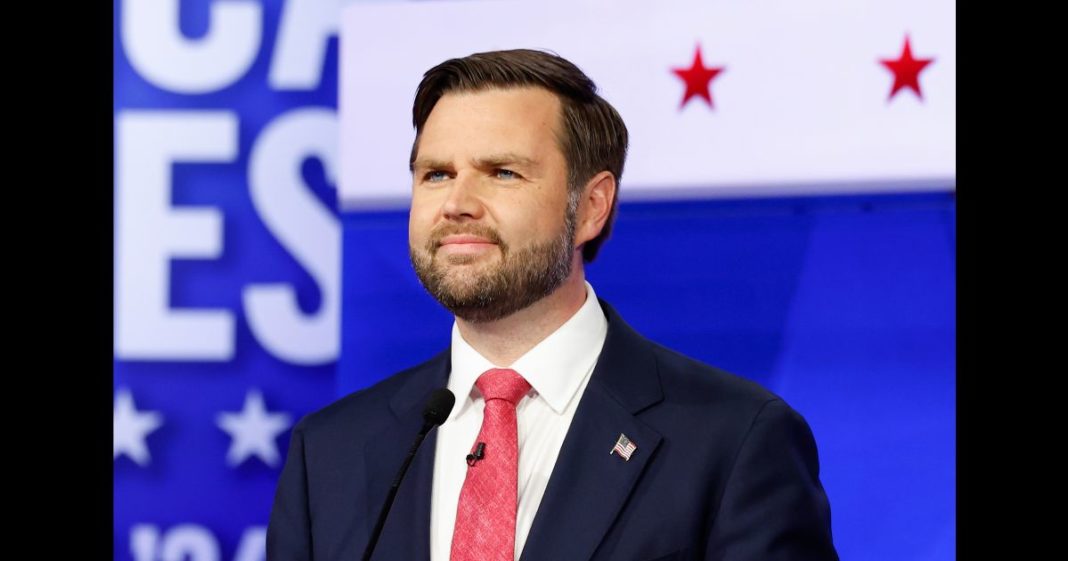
(723, 469)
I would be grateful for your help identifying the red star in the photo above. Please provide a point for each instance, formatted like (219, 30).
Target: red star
(906, 70)
(697, 78)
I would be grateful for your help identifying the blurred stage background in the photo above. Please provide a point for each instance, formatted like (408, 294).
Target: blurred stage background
(796, 227)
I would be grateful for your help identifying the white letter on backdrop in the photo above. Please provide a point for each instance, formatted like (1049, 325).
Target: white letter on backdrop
(157, 49)
(189, 542)
(309, 231)
(253, 546)
(300, 48)
(149, 232)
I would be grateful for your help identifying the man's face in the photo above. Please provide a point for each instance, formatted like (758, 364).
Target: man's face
(490, 232)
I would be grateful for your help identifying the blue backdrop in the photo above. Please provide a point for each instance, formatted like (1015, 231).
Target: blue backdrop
(844, 306)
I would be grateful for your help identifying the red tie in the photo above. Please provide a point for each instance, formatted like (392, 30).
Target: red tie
(485, 516)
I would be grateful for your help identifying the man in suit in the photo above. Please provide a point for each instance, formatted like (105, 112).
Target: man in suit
(573, 437)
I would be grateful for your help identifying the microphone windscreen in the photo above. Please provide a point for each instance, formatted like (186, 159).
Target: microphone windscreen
(438, 406)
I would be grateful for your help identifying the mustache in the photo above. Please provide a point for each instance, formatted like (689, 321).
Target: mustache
(480, 230)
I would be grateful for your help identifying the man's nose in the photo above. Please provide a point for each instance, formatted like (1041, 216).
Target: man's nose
(463, 199)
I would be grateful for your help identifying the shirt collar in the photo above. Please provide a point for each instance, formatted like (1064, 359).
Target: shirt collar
(555, 367)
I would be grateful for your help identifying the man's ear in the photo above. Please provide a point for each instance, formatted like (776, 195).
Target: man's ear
(595, 206)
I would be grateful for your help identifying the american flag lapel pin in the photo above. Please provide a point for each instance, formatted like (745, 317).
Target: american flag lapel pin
(624, 447)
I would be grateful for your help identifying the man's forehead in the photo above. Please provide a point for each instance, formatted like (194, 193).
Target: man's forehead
(498, 123)
(513, 101)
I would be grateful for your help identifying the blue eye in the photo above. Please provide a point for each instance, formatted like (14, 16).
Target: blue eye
(435, 176)
(506, 174)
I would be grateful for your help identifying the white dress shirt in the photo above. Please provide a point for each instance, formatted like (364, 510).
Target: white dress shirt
(558, 369)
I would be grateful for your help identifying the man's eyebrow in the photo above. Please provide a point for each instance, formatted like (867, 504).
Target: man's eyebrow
(486, 162)
(428, 163)
(504, 159)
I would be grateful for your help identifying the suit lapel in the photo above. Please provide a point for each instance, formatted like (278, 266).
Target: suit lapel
(589, 486)
(406, 533)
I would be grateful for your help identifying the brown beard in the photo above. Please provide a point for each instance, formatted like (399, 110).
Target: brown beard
(524, 275)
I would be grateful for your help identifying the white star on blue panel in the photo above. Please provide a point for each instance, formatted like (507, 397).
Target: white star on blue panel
(130, 427)
(253, 431)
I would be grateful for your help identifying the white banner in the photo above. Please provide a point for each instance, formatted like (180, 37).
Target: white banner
(822, 96)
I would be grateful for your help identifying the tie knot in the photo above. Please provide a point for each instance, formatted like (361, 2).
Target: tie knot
(502, 383)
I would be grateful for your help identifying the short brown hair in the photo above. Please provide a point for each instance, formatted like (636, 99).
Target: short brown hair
(594, 137)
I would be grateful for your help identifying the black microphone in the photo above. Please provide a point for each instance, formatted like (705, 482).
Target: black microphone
(436, 411)
(438, 406)
(478, 454)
